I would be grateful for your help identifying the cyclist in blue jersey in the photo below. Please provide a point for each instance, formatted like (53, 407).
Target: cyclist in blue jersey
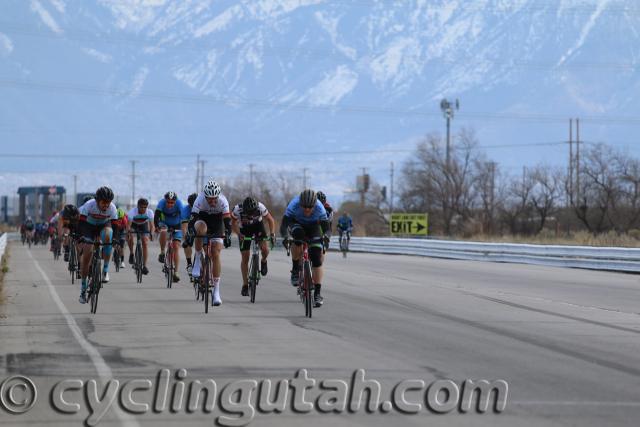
(169, 215)
(306, 220)
(345, 225)
(96, 217)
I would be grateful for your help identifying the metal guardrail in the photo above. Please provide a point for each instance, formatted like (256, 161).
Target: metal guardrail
(3, 244)
(589, 257)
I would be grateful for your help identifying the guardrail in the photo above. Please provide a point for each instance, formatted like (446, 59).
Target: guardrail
(3, 244)
(589, 257)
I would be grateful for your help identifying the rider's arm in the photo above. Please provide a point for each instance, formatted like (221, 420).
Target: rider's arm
(271, 222)
(156, 217)
(284, 226)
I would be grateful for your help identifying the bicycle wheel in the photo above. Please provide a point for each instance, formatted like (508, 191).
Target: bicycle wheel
(205, 277)
(308, 286)
(168, 266)
(96, 283)
(72, 262)
(138, 262)
(253, 277)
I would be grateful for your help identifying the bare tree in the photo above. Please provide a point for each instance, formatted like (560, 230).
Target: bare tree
(546, 192)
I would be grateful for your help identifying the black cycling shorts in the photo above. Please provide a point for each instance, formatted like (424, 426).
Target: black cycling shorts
(215, 225)
(88, 232)
(257, 230)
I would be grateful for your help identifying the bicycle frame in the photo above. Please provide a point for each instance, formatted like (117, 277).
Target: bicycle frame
(305, 279)
(169, 268)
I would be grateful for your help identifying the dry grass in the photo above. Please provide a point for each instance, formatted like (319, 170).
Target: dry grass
(4, 268)
(581, 238)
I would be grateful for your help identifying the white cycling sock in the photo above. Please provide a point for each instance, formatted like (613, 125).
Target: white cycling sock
(216, 290)
(196, 265)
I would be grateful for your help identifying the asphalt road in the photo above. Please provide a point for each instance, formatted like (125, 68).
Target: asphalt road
(567, 342)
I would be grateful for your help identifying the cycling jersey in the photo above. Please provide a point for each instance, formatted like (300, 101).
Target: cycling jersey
(249, 219)
(329, 210)
(294, 212)
(345, 223)
(91, 213)
(171, 216)
(201, 206)
(140, 218)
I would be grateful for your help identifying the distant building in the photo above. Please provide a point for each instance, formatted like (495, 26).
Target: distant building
(40, 202)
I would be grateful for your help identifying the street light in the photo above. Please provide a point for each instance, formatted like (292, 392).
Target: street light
(448, 108)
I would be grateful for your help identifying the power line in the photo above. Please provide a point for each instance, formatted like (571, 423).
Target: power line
(262, 103)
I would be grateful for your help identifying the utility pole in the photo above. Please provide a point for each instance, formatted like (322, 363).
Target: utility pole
(202, 162)
(75, 190)
(570, 198)
(251, 165)
(447, 108)
(578, 160)
(365, 186)
(304, 178)
(198, 186)
(133, 182)
(391, 189)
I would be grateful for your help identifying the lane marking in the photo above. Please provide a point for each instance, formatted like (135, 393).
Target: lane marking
(104, 372)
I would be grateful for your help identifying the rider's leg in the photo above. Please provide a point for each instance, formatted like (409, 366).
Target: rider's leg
(244, 267)
(163, 242)
(201, 229)
(216, 269)
(106, 235)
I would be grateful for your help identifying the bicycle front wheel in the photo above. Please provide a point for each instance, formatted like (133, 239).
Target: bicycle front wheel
(308, 286)
(138, 262)
(253, 277)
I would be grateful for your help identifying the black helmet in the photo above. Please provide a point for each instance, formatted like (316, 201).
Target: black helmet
(104, 193)
(69, 211)
(321, 196)
(142, 202)
(249, 205)
(192, 198)
(170, 195)
(86, 198)
(308, 198)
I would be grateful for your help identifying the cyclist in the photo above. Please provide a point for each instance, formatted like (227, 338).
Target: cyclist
(29, 228)
(120, 227)
(345, 225)
(210, 216)
(52, 229)
(168, 215)
(140, 219)
(247, 221)
(188, 237)
(67, 224)
(96, 218)
(306, 220)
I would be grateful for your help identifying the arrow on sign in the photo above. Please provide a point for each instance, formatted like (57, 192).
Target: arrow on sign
(420, 227)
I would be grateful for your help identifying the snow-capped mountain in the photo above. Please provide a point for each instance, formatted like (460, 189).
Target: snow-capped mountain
(255, 78)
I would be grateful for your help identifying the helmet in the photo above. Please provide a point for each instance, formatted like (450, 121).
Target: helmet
(211, 189)
(192, 198)
(142, 202)
(86, 198)
(104, 193)
(170, 195)
(308, 198)
(321, 196)
(250, 205)
(69, 211)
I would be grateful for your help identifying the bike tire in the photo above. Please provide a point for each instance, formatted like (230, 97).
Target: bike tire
(168, 268)
(72, 262)
(205, 276)
(138, 262)
(308, 285)
(253, 277)
(96, 282)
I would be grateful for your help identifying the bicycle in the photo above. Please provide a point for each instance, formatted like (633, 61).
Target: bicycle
(254, 269)
(204, 283)
(74, 264)
(138, 255)
(56, 246)
(95, 275)
(117, 255)
(168, 267)
(344, 243)
(305, 280)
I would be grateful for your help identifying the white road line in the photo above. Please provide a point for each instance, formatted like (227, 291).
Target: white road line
(104, 372)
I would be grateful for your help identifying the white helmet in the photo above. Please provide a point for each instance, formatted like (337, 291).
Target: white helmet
(211, 189)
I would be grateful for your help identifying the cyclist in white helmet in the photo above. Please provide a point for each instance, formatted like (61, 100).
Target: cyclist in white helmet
(210, 216)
